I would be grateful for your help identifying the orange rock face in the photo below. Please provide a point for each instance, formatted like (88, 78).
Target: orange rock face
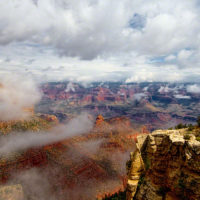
(49, 118)
(99, 119)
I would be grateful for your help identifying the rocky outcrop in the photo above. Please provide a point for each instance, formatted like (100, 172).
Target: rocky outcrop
(37, 122)
(11, 192)
(135, 168)
(99, 120)
(172, 167)
(49, 118)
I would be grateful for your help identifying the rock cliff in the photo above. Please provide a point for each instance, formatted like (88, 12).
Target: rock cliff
(172, 167)
(11, 192)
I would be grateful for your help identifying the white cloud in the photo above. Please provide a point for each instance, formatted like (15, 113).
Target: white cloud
(139, 96)
(70, 87)
(75, 28)
(193, 88)
(113, 34)
(165, 89)
(145, 89)
(17, 93)
(90, 28)
(170, 58)
(180, 96)
(184, 54)
(151, 74)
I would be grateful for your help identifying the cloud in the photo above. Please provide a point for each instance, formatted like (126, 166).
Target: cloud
(35, 184)
(180, 96)
(17, 93)
(90, 28)
(91, 146)
(139, 96)
(21, 141)
(127, 35)
(145, 89)
(168, 73)
(165, 89)
(70, 87)
(193, 88)
(63, 24)
(184, 54)
(170, 58)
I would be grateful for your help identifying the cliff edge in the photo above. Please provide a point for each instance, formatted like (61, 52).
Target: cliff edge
(171, 168)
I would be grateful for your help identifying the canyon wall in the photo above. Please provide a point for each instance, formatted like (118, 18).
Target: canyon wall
(171, 167)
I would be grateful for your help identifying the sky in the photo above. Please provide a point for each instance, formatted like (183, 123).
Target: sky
(101, 40)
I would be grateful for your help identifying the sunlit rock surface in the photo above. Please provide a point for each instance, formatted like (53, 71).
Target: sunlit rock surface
(172, 167)
(136, 168)
(11, 192)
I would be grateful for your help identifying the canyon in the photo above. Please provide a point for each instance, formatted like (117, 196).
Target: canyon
(92, 164)
(155, 105)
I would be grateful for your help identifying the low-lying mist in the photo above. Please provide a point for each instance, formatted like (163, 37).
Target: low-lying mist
(21, 141)
(53, 182)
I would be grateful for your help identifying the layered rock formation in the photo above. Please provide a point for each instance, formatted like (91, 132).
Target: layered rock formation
(11, 192)
(144, 104)
(172, 167)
